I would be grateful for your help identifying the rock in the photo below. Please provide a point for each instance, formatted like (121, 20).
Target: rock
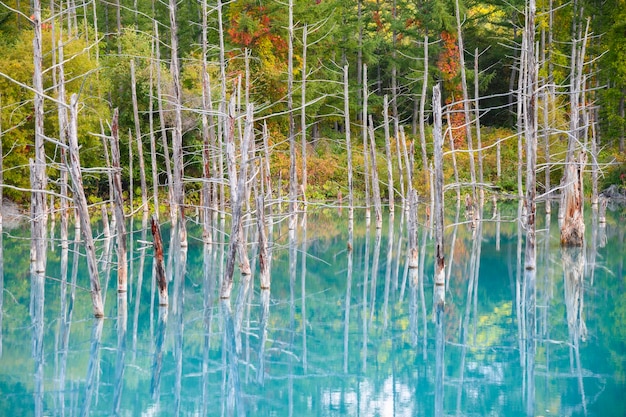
(614, 192)
(12, 214)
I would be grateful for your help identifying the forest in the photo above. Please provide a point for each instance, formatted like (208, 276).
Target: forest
(252, 137)
(181, 76)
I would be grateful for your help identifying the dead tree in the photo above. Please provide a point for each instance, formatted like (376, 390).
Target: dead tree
(440, 273)
(466, 102)
(80, 201)
(530, 132)
(375, 181)
(366, 174)
(346, 118)
(159, 264)
(177, 132)
(303, 112)
(160, 101)
(208, 134)
(142, 164)
(237, 195)
(572, 198)
(39, 181)
(293, 180)
(390, 189)
(118, 206)
(423, 113)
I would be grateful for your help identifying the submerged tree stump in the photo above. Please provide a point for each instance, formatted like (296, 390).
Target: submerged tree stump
(573, 227)
(159, 264)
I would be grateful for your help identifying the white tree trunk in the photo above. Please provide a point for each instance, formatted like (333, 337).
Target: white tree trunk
(390, 188)
(346, 118)
(142, 164)
(80, 201)
(118, 206)
(440, 273)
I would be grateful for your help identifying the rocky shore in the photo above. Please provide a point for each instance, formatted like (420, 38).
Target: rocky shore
(12, 214)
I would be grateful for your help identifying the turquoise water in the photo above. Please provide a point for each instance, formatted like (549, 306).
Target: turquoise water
(340, 333)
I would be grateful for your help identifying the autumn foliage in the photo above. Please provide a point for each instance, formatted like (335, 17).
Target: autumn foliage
(449, 67)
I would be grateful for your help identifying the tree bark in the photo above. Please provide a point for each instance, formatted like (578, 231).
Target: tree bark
(238, 185)
(177, 133)
(142, 164)
(208, 135)
(293, 176)
(440, 273)
(39, 180)
(80, 201)
(303, 111)
(264, 255)
(423, 113)
(466, 102)
(390, 186)
(366, 175)
(375, 181)
(346, 118)
(168, 167)
(159, 264)
(153, 157)
(530, 130)
(478, 136)
(118, 206)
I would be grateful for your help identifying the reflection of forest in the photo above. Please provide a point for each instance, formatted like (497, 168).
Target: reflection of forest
(344, 329)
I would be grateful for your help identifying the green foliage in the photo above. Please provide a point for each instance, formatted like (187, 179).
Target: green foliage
(17, 104)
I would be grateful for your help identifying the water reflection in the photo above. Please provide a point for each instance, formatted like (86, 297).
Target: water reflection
(331, 338)
(157, 362)
(93, 368)
(232, 385)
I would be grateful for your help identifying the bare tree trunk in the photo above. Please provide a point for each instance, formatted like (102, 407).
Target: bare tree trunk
(453, 154)
(346, 118)
(423, 113)
(530, 130)
(573, 227)
(208, 135)
(39, 181)
(177, 132)
(366, 175)
(466, 102)
(118, 19)
(390, 187)
(238, 186)
(142, 164)
(546, 136)
(118, 205)
(265, 258)
(222, 107)
(478, 136)
(520, 116)
(572, 198)
(594, 161)
(95, 31)
(293, 180)
(81, 207)
(166, 152)
(375, 181)
(267, 179)
(153, 157)
(440, 272)
(303, 112)
(159, 264)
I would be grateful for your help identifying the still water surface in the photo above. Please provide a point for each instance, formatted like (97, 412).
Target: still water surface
(341, 333)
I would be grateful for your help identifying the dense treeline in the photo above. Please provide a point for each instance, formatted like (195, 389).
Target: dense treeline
(244, 48)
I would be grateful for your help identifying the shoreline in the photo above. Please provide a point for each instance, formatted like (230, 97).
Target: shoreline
(11, 214)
